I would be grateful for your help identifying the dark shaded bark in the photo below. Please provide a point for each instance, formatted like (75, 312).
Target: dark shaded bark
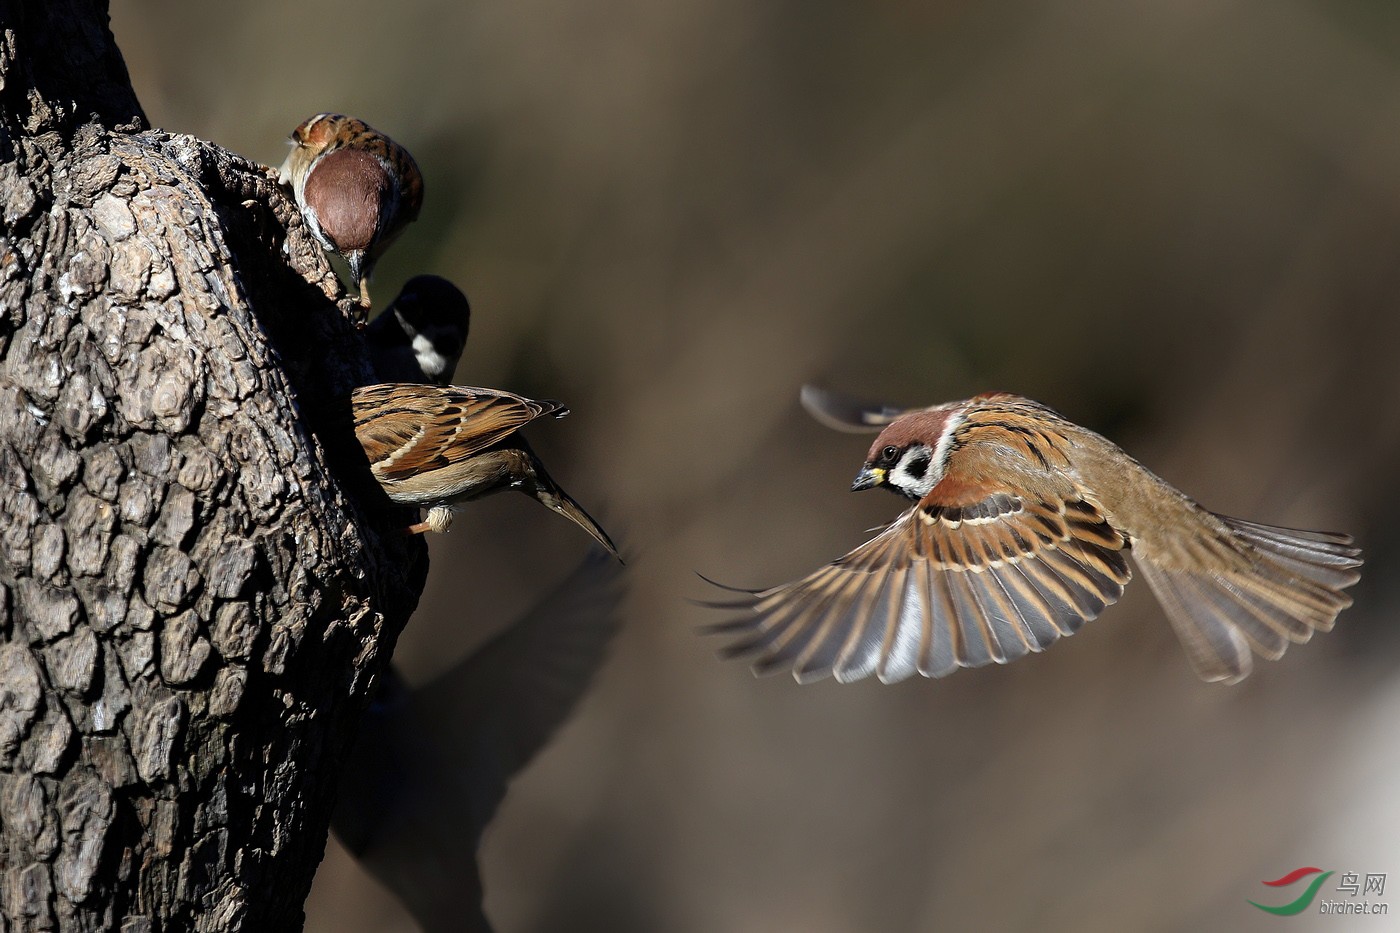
(198, 586)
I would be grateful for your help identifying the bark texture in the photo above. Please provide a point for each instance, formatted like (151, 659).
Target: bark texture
(198, 583)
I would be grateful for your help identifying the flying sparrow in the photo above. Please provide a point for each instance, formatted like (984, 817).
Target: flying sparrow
(420, 337)
(1018, 534)
(355, 187)
(437, 447)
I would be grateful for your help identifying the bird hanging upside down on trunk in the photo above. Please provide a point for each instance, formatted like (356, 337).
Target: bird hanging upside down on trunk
(437, 447)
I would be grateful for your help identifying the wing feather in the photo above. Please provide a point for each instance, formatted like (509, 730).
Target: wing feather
(863, 623)
(945, 586)
(410, 429)
(1036, 612)
(974, 648)
(908, 631)
(843, 413)
(940, 656)
(1003, 631)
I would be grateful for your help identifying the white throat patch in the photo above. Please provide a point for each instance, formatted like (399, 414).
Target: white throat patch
(433, 363)
(916, 472)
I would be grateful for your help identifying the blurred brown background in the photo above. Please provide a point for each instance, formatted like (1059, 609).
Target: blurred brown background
(1176, 222)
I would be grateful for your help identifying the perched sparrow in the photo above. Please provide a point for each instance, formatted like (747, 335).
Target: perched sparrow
(356, 188)
(436, 447)
(1019, 534)
(420, 337)
(431, 764)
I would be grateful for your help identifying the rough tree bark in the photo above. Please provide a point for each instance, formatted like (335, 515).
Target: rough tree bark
(197, 586)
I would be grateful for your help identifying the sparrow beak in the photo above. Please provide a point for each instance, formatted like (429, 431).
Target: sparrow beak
(868, 478)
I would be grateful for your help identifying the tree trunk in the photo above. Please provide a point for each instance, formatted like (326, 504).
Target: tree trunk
(198, 583)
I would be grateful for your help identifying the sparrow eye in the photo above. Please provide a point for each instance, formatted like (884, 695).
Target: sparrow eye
(889, 453)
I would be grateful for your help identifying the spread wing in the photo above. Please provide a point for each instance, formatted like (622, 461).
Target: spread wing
(407, 430)
(960, 580)
(843, 413)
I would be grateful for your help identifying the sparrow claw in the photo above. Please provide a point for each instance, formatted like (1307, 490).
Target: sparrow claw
(360, 309)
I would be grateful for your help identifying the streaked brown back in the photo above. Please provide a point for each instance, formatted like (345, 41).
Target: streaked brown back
(408, 429)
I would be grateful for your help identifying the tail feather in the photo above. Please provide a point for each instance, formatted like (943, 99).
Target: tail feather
(1292, 588)
(551, 495)
(1326, 558)
(1215, 647)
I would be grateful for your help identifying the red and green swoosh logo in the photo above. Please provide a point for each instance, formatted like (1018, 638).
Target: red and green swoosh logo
(1304, 900)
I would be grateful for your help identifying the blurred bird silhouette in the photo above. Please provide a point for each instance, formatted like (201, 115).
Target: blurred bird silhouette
(421, 335)
(431, 765)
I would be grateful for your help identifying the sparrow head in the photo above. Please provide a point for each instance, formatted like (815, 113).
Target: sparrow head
(435, 316)
(311, 137)
(320, 131)
(911, 454)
